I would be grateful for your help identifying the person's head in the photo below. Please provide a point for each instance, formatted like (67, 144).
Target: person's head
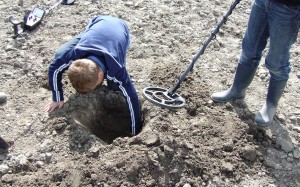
(85, 75)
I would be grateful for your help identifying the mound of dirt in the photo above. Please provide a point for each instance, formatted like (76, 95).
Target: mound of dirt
(88, 142)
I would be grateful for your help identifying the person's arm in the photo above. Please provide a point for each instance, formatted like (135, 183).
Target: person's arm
(56, 69)
(121, 82)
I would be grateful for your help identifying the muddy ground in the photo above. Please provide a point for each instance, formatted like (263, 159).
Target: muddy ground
(202, 144)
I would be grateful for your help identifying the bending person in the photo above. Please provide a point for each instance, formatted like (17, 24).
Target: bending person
(96, 54)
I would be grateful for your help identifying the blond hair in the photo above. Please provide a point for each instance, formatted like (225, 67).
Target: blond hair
(83, 75)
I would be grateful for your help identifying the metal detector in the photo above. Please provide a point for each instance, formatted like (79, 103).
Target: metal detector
(168, 98)
(34, 18)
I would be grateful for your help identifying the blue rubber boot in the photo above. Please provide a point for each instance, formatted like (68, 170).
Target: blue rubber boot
(266, 114)
(243, 77)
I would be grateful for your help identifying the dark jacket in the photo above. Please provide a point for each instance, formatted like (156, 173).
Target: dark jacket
(289, 2)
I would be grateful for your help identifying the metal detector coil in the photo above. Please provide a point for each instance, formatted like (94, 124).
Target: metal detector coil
(162, 98)
(168, 98)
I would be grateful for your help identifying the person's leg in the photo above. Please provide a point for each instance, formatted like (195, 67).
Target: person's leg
(127, 43)
(68, 45)
(254, 42)
(3, 144)
(284, 26)
(2, 97)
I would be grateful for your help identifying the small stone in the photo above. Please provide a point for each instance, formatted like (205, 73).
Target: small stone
(93, 152)
(3, 169)
(229, 106)
(48, 157)
(272, 164)
(22, 160)
(227, 167)
(129, 4)
(290, 159)
(46, 146)
(295, 120)
(296, 153)
(281, 117)
(249, 154)
(188, 145)
(192, 111)
(135, 140)
(150, 182)
(20, 3)
(168, 150)
(39, 164)
(228, 146)
(297, 129)
(7, 179)
(187, 185)
(249, 138)
(60, 126)
(151, 140)
(285, 145)
(174, 172)
(262, 73)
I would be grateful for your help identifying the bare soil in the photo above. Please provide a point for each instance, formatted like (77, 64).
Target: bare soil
(86, 143)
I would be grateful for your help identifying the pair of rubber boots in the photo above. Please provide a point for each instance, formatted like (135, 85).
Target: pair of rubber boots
(243, 77)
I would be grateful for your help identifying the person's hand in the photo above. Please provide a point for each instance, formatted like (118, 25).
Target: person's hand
(53, 105)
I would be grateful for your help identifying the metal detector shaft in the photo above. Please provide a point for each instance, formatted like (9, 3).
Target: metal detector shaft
(172, 90)
(53, 6)
(58, 2)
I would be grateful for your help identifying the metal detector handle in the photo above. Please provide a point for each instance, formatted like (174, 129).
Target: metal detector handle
(212, 36)
(16, 27)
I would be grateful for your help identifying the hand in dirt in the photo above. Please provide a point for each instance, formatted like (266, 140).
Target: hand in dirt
(53, 105)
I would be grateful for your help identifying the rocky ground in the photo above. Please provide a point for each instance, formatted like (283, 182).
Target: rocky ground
(202, 144)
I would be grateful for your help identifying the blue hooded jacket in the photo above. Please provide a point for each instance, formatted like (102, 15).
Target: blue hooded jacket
(105, 41)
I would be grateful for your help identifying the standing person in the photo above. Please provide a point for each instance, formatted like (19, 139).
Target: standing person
(96, 54)
(278, 21)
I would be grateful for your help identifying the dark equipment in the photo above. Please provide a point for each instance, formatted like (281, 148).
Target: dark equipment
(34, 18)
(168, 98)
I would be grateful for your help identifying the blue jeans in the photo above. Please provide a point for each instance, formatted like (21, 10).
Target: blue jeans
(280, 24)
(68, 45)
